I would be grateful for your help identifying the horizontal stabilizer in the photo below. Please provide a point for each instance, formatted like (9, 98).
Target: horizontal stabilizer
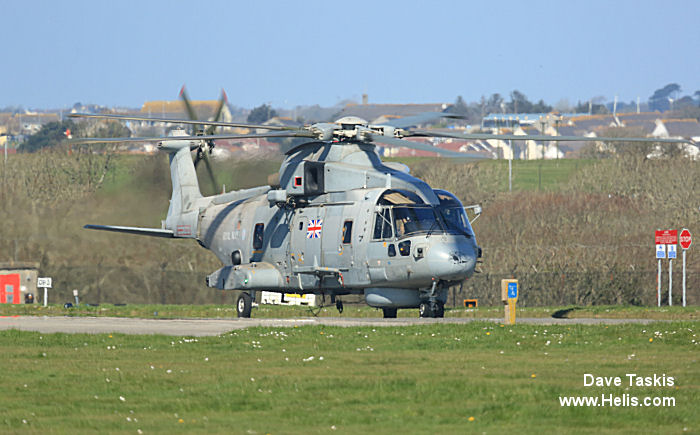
(153, 232)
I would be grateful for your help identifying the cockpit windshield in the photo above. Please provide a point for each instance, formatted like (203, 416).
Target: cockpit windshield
(455, 219)
(453, 214)
(410, 220)
(410, 215)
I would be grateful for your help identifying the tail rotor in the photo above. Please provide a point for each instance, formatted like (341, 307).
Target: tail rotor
(206, 146)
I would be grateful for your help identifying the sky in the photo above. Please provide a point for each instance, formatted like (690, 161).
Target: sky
(285, 53)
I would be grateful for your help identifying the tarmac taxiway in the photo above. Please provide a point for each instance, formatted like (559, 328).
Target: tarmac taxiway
(206, 327)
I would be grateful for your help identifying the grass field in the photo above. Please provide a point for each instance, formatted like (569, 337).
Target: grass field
(527, 175)
(474, 378)
(279, 311)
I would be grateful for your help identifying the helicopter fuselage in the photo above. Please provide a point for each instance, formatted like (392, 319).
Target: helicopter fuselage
(342, 222)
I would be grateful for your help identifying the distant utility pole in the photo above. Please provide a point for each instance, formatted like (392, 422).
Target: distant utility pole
(556, 143)
(4, 169)
(510, 167)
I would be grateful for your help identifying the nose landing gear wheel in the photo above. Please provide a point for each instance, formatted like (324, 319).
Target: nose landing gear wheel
(390, 313)
(244, 305)
(339, 306)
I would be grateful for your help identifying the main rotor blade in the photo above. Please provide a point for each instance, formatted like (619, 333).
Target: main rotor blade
(422, 146)
(214, 184)
(217, 115)
(421, 118)
(190, 110)
(302, 133)
(486, 136)
(179, 121)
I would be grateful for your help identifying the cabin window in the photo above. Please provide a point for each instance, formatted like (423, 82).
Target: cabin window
(382, 225)
(347, 232)
(392, 250)
(405, 248)
(258, 236)
(313, 178)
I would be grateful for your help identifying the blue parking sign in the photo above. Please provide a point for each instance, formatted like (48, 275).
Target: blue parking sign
(660, 251)
(671, 251)
(512, 290)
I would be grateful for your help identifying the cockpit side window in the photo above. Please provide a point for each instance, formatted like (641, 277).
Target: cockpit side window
(382, 225)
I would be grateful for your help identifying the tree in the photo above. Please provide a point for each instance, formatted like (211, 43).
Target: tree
(661, 98)
(471, 113)
(459, 107)
(563, 106)
(112, 129)
(591, 107)
(493, 104)
(519, 103)
(541, 107)
(49, 135)
(261, 114)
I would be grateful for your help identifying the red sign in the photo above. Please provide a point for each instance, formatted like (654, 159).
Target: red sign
(686, 239)
(667, 237)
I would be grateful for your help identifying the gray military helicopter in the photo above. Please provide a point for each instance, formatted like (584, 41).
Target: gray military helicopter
(339, 220)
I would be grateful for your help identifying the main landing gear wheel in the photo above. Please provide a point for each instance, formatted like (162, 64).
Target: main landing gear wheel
(244, 305)
(440, 310)
(424, 309)
(434, 309)
(390, 313)
(339, 306)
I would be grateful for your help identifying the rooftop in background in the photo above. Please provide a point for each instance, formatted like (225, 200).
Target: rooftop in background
(510, 119)
(205, 109)
(382, 112)
(687, 128)
(582, 123)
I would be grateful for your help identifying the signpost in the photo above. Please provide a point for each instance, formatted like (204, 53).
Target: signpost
(44, 283)
(686, 240)
(665, 239)
(509, 296)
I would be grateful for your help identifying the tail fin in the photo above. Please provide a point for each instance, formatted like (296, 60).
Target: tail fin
(182, 213)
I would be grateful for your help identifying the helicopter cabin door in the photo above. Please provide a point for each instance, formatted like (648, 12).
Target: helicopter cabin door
(308, 228)
(336, 242)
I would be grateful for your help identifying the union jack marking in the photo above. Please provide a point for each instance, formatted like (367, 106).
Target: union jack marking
(313, 231)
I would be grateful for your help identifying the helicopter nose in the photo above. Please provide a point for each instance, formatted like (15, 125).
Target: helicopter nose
(452, 261)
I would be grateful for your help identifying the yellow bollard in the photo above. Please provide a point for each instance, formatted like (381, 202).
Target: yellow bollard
(509, 296)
